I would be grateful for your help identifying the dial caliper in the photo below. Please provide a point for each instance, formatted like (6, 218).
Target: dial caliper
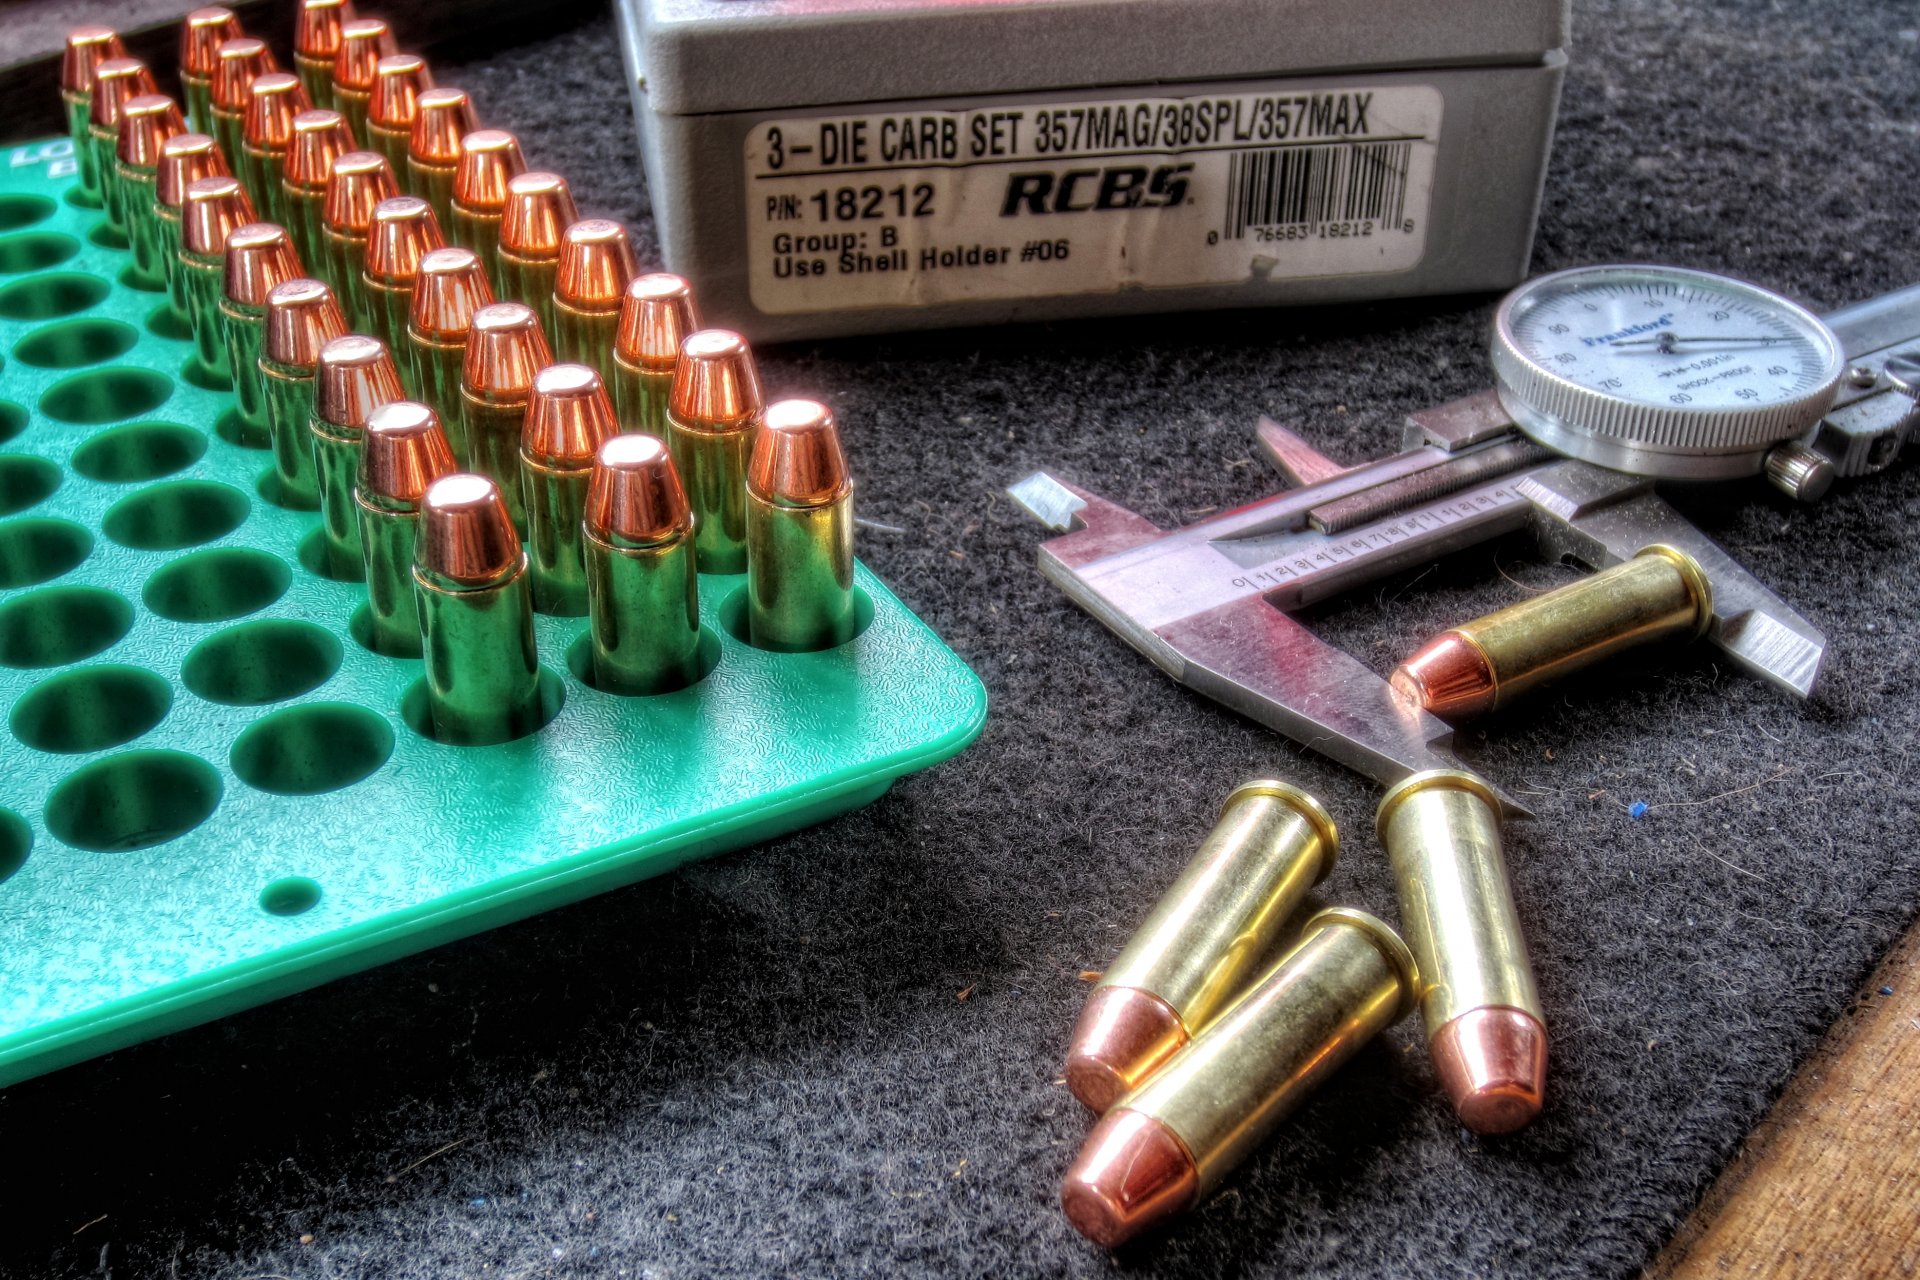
(1607, 379)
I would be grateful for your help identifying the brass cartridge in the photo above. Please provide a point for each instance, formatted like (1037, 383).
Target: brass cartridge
(402, 454)
(1660, 594)
(214, 208)
(356, 375)
(489, 160)
(505, 349)
(596, 265)
(713, 414)
(116, 82)
(238, 62)
(320, 138)
(302, 318)
(359, 182)
(1168, 1145)
(450, 287)
(643, 595)
(185, 158)
(403, 232)
(1204, 938)
(260, 258)
(1485, 1029)
(799, 532)
(539, 210)
(145, 126)
(201, 35)
(568, 418)
(398, 81)
(363, 42)
(442, 117)
(274, 99)
(476, 615)
(316, 44)
(86, 48)
(656, 315)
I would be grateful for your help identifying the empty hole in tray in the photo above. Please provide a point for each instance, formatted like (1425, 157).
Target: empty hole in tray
(106, 237)
(25, 481)
(312, 748)
(360, 627)
(163, 323)
(74, 344)
(139, 451)
(195, 374)
(80, 198)
(131, 277)
(58, 625)
(22, 210)
(51, 296)
(216, 585)
(317, 558)
(580, 663)
(16, 841)
(40, 549)
(106, 395)
(413, 709)
(133, 801)
(35, 251)
(260, 662)
(733, 616)
(90, 709)
(273, 490)
(175, 514)
(13, 419)
(290, 896)
(236, 430)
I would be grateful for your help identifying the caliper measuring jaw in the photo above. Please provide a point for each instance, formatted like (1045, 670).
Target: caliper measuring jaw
(1210, 603)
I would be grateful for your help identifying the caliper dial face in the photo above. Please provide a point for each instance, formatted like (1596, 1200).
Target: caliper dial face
(1662, 371)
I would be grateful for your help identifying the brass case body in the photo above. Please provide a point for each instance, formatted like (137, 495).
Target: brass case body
(388, 309)
(229, 128)
(556, 500)
(432, 183)
(1349, 978)
(336, 461)
(528, 281)
(306, 220)
(713, 469)
(353, 104)
(482, 670)
(435, 368)
(143, 237)
(246, 330)
(479, 231)
(346, 258)
(79, 127)
(202, 280)
(640, 397)
(1441, 830)
(1660, 594)
(316, 77)
(167, 239)
(493, 447)
(264, 171)
(198, 92)
(105, 145)
(644, 609)
(1223, 915)
(391, 143)
(585, 337)
(800, 574)
(289, 392)
(387, 538)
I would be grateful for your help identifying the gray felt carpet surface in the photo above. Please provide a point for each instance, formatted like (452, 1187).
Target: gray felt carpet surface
(838, 1054)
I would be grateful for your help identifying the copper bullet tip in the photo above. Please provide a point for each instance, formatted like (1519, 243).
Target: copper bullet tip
(355, 376)
(1493, 1064)
(363, 42)
(656, 315)
(116, 82)
(87, 47)
(596, 264)
(201, 36)
(145, 125)
(185, 158)
(716, 386)
(466, 536)
(1133, 1175)
(238, 62)
(260, 258)
(319, 138)
(359, 182)
(316, 28)
(398, 81)
(539, 210)
(273, 100)
(635, 498)
(568, 416)
(441, 118)
(505, 348)
(405, 451)
(1450, 676)
(1123, 1035)
(213, 209)
(797, 461)
(452, 285)
(404, 230)
(489, 160)
(303, 316)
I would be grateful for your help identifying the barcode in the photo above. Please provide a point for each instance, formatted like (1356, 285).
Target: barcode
(1348, 181)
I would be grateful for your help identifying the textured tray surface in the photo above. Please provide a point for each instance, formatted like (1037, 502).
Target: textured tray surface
(212, 792)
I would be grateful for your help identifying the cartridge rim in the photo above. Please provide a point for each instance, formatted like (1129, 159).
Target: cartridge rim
(87, 47)
(146, 122)
(1696, 579)
(1430, 780)
(1301, 803)
(1386, 939)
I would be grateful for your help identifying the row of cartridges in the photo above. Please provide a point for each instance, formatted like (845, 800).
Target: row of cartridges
(409, 389)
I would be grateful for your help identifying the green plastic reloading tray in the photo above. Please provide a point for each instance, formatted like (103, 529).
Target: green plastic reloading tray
(213, 794)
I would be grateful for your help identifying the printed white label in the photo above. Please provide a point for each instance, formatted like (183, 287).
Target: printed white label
(1042, 200)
